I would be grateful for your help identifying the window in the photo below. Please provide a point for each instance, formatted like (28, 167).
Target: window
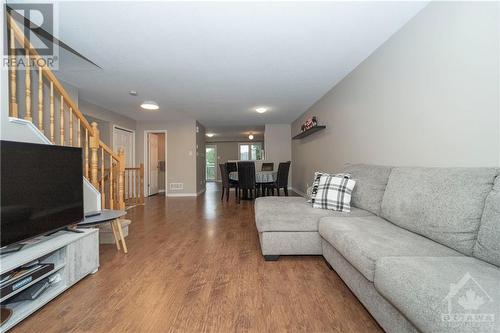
(250, 151)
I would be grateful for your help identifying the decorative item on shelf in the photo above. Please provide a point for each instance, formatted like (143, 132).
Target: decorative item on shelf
(309, 123)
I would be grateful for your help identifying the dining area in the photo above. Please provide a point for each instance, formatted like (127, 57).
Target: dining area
(250, 181)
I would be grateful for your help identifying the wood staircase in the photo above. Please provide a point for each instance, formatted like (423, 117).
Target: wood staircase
(64, 124)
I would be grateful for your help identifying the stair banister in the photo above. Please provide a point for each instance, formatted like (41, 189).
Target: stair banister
(113, 194)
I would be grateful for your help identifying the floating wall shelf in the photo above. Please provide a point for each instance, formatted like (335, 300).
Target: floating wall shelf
(308, 132)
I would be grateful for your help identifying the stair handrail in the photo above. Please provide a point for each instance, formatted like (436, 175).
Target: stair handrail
(92, 142)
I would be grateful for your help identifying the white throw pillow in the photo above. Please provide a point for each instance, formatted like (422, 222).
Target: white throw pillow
(334, 193)
(314, 187)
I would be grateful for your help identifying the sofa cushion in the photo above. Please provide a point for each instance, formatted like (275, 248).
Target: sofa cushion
(443, 204)
(488, 239)
(430, 291)
(334, 193)
(363, 240)
(293, 214)
(371, 181)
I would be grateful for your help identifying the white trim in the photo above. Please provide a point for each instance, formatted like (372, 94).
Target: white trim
(161, 191)
(185, 194)
(32, 126)
(146, 160)
(302, 194)
(182, 194)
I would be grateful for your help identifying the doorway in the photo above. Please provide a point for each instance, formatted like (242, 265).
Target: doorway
(125, 138)
(211, 163)
(155, 163)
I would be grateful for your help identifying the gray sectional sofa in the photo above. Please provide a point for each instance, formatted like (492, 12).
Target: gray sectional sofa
(420, 248)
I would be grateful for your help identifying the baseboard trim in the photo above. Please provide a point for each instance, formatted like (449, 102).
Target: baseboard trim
(182, 194)
(302, 194)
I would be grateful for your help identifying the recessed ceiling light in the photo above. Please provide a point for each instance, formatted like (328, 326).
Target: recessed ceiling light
(250, 137)
(210, 135)
(133, 92)
(150, 105)
(261, 110)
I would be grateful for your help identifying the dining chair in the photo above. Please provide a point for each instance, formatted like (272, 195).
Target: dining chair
(227, 184)
(231, 166)
(267, 167)
(246, 179)
(282, 178)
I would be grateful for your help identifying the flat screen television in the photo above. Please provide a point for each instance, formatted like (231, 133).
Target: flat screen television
(41, 189)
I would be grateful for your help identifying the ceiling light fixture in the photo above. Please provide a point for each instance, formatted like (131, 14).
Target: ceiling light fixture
(210, 135)
(261, 110)
(150, 105)
(132, 93)
(250, 136)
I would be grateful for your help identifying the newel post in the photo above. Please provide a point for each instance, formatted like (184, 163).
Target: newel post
(121, 179)
(94, 157)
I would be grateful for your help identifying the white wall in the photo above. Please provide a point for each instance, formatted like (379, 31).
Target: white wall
(429, 96)
(277, 142)
(105, 119)
(278, 145)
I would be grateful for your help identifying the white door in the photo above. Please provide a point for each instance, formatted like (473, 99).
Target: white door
(153, 164)
(123, 138)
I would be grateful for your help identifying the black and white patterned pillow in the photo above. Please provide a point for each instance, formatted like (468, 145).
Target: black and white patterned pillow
(317, 176)
(334, 193)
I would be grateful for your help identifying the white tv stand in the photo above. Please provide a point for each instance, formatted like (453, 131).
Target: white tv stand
(74, 255)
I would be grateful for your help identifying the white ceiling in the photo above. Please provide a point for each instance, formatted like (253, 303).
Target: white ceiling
(216, 62)
(235, 133)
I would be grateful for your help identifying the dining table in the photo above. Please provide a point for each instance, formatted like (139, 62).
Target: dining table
(261, 177)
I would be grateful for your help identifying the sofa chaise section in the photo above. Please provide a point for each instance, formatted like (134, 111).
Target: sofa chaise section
(289, 226)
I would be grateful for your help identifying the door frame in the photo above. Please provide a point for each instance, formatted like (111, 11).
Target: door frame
(133, 139)
(214, 145)
(146, 161)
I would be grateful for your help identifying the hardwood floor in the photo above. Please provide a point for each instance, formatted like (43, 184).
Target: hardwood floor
(194, 265)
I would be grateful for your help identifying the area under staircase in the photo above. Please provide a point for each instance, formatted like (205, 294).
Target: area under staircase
(38, 97)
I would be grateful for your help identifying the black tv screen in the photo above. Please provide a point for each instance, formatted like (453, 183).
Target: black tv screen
(41, 189)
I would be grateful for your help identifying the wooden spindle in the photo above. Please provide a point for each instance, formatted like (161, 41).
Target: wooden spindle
(70, 126)
(40, 98)
(121, 179)
(78, 133)
(137, 186)
(127, 186)
(14, 112)
(61, 114)
(141, 187)
(86, 153)
(27, 83)
(103, 194)
(94, 163)
(52, 111)
(110, 182)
